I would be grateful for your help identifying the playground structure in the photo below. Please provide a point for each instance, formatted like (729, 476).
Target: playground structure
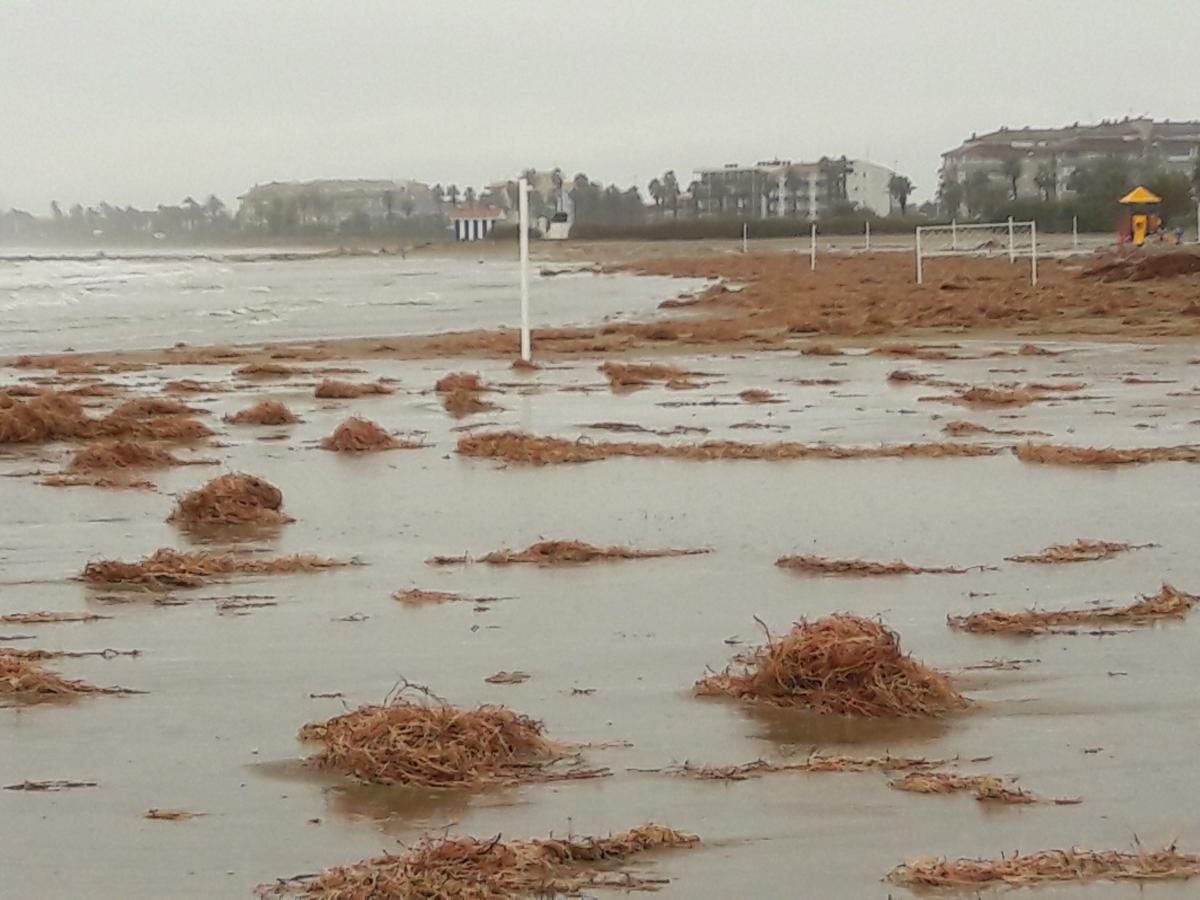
(1143, 218)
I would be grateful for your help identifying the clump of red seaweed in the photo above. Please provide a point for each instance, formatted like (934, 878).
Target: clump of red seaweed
(468, 868)
(842, 665)
(820, 565)
(1168, 603)
(265, 412)
(1048, 866)
(1104, 456)
(331, 389)
(166, 568)
(546, 553)
(429, 743)
(357, 435)
(1082, 550)
(518, 447)
(232, 499)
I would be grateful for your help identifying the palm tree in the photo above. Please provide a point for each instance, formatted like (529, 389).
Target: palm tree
(845, 169)
(214, 208)
(630, 207)
(950, 191)
(694, 191)
(828, 171)
(438, 195)
(581, 187)
(55, 210)
(1046, 180)
(469, 196)
(655, 189)
(792, 182)
(670, 191)
(1012, 172)
(951, 196)
(191, 213)
(978, 192)
(556, 179)
(900, 188)
(452, 194)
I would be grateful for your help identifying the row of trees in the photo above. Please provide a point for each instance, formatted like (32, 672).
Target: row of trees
(1094, 190)
(188, 218)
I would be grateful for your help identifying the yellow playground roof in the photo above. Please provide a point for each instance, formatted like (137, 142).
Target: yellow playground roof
(1140, 195)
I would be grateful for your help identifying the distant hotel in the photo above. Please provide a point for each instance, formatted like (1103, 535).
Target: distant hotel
(328, 202)
(782, 188)
(1043, 159)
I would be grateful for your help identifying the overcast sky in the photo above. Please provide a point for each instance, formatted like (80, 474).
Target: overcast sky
(146, 101)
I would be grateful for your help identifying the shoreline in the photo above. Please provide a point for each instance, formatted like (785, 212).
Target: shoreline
(859, 300)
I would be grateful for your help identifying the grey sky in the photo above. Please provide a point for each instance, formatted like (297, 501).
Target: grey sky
(145, 101)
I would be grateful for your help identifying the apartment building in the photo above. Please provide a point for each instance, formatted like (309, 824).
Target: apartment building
(1042, 160)
(782, 188)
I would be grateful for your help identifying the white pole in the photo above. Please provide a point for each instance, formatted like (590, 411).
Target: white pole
(1012, 242)
(868, 235)
(812, 249)
(1074, 232)
(920, 269)
(1198, 222)
(954, 234)
(745, 237)
(1033, 253)
(523, 210)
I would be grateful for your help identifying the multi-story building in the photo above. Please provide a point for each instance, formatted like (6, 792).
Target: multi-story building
(782, 188)
(1042, 160)
(329, 202)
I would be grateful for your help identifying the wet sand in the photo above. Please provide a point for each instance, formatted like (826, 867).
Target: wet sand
(1108, 719)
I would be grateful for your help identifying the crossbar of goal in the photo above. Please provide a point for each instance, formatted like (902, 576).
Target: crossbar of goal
(980, 240)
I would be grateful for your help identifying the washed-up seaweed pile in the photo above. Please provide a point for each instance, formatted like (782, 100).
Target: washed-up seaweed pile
(22, 677)
(265, 412)
(547, 553)
(232, 499)
(986, 788)
(166, 568)
(358, 435)
(841, 664)
(628, 375)
(429, 743)
(462, 394)
(331, 389)
(518, 447)
(1082, 550)
(820, 565)
(469, 868)
(1048, 866)
(1168, 603)
(1103, 456)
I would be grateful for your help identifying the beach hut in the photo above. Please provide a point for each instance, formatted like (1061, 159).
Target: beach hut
(475, 223)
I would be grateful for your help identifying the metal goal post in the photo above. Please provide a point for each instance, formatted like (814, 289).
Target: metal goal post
(979, 239)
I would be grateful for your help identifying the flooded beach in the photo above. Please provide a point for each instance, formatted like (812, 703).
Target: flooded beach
(233, 669)
(653, 484)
